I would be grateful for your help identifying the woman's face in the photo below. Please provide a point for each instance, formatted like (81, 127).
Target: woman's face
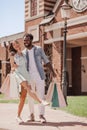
(16, 45)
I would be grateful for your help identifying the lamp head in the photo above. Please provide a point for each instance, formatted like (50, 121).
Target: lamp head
(65, 10)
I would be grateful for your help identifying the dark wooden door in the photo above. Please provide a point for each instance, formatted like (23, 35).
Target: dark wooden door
(76, 71)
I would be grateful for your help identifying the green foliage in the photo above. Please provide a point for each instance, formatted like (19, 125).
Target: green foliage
(9, 101)
(3, 99)
(77, 105)
(1, 96)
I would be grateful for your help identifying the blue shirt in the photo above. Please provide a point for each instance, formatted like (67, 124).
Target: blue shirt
(39, 56)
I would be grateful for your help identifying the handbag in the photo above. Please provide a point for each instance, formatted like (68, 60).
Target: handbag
(5, 88)
(10, 87)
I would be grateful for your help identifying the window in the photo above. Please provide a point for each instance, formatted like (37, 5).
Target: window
(33, 10)
(34, 30)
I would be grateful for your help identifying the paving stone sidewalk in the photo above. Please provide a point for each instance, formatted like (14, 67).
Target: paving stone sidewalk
(56, 119)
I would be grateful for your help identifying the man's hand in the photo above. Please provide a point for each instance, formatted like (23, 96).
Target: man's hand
(51, 69)
(54, 74)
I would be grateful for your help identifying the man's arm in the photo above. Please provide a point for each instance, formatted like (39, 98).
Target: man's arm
(47, 62)
(43, 56)
(51, 69)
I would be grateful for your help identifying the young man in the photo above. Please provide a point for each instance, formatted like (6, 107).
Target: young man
(35, 55)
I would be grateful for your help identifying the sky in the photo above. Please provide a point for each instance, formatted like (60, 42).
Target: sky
(11, 17)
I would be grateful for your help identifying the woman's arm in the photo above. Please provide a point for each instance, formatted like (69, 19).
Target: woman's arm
(12, 62)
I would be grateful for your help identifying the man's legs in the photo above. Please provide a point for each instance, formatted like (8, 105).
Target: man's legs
(31, 108)
(40, 88)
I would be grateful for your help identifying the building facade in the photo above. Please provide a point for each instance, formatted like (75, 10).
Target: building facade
(43, 20)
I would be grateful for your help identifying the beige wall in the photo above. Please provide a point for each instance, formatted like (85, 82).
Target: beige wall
(84, 66)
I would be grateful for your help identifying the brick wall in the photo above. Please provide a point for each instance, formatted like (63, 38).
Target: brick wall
(57, 60)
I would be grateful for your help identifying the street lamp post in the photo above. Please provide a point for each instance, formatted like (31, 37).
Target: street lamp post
(65, 9)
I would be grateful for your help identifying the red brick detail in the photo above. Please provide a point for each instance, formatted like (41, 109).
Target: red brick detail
(33, 7)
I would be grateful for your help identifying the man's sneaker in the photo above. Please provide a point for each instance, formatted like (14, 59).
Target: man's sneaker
(30, 118)
(45, 103)
(19, 119)
(42, 119)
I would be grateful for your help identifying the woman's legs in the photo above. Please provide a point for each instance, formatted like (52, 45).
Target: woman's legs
(22, 100)
(29, 91)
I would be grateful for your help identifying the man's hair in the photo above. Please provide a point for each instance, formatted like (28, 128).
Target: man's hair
(28, 35)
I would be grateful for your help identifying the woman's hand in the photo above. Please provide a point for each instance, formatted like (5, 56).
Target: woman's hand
(15, 65)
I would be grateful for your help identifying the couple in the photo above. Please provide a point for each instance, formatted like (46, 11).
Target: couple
(32, 57)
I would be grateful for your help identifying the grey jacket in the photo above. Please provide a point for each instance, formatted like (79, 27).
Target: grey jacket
(40, 57)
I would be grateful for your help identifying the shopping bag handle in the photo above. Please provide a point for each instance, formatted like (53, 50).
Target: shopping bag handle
(54, 79)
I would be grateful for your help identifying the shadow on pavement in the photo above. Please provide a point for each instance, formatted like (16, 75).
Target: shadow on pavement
(55, 124)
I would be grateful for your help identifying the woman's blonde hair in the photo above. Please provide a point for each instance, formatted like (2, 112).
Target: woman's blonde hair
(11, 48)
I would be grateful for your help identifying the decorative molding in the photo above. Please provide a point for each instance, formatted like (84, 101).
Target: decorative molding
(83, 58)
(47, 20)
(71, 22)
(12, 37)
(56, 33)
(34, 30)
(28, 7)
(41, 7)
(34, 17)
(76, 36)
(52, 40)
(77, 21)
(54, 26)
(56, 6)
(68, 59)
(69, 37)
(49, 4)
(5, 62)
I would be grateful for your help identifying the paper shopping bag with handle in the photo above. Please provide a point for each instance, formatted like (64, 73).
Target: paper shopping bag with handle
(49, 92)
(55, 95)
(58, 98)
(55, 101)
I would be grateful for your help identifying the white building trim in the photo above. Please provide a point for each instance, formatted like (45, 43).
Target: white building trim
(34, 17)
(34, 30)
(69, 37)
(68, 59)
(30, 9)
(83, 58)
(5, 62)
(12, 37)
(71, 22)
(56, 6)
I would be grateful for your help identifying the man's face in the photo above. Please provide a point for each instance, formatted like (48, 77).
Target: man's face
(27, 42)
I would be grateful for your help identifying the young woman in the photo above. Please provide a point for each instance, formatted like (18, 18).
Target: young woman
(20, 74)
